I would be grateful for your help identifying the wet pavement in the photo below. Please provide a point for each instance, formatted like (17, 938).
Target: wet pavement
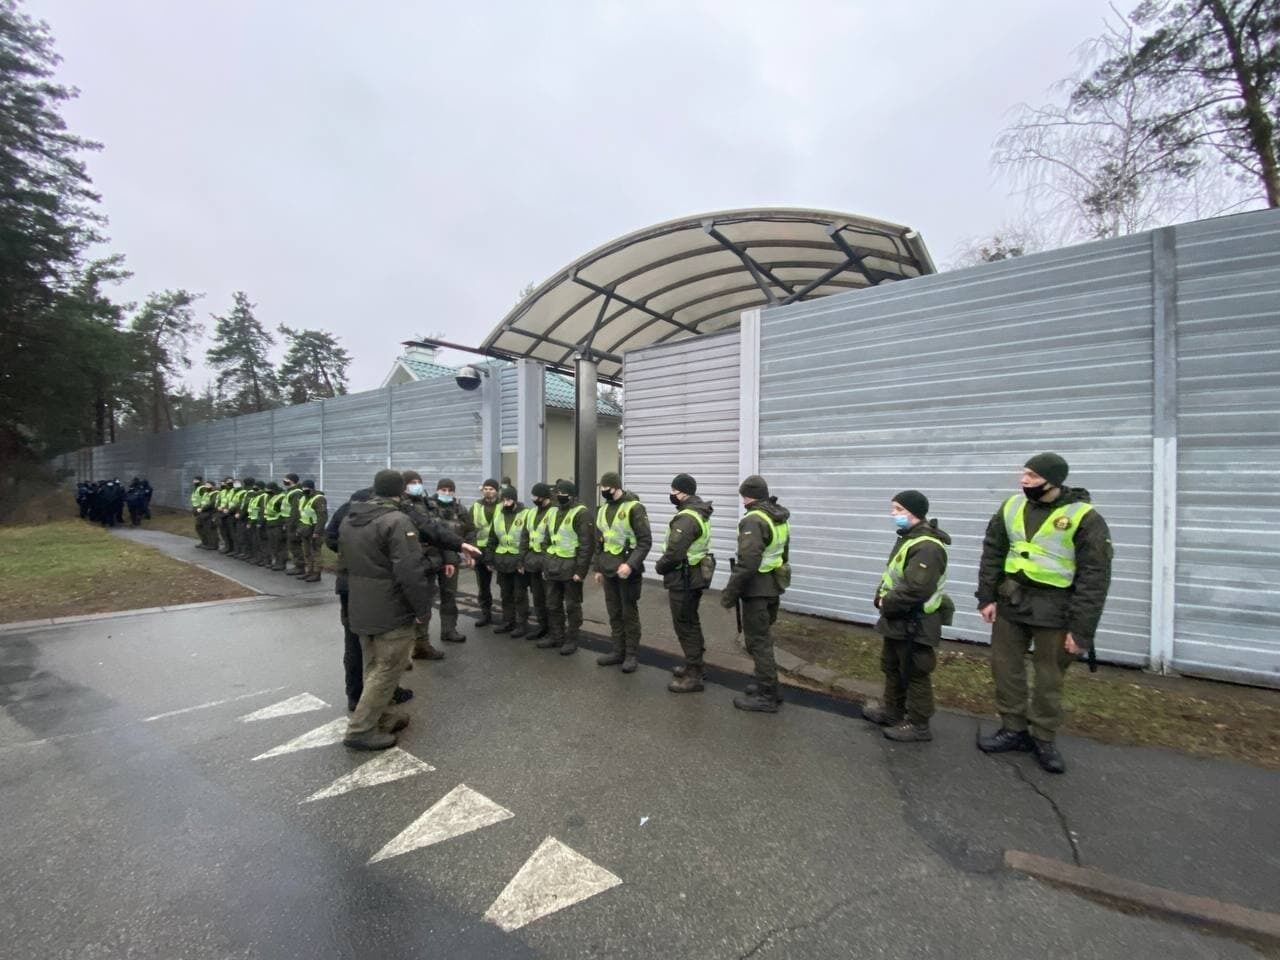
(568, 811)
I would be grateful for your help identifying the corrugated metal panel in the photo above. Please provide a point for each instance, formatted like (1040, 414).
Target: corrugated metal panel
(251, 445)
(220, 452)
(681, 416)
(297, 446)
(510, 408)
(947, 384)
(437, 432)
(355, 442)
(1227, 590)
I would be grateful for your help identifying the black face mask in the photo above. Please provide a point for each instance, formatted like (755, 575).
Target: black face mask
(607, 494)
(675, 501)
(1037, 492)
(564, 499)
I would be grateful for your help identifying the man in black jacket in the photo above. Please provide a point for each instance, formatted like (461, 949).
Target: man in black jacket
(686, 566)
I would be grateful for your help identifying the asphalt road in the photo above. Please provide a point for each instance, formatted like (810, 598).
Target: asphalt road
(687, 828)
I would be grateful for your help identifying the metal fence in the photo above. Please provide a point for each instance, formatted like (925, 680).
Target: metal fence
(429, 425)
(1151, 362)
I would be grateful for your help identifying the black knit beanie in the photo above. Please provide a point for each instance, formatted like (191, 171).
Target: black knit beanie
(541, 490)
(490, 483)
(914, 502)
(754, 487)
(509, 493)
(1050, 466)
(446, 484)
(567, 487)
(388, 483)
(684, 483)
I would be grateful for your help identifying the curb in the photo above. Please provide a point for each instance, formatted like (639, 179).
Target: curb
(1231, 918)
(49, 622)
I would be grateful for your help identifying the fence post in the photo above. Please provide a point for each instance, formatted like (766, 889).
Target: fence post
(320, 481)
(1164, 453)
(749, 394)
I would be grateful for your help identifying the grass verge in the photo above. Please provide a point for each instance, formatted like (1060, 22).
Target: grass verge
(69, 567)
(1114, 705)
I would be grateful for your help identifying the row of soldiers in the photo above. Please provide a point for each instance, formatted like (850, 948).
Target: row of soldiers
(104, 501)
(265, 524)
(1043, 580)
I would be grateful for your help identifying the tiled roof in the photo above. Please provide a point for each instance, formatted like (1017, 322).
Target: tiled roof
(559, 388)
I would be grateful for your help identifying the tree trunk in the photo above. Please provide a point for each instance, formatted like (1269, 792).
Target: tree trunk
(1261, 129)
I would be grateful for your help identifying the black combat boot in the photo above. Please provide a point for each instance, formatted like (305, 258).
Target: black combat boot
(401, 695)
(570, 645)
(504, 627)
(689, 681)
(485, 618)
(541, 632)
(630, 664)
(1048, 757)
(449, 632)
(908, 732)
(882, 716)
(425, 651)
(752, 688)
(679, 671)
(521, 630)
(295, 572)
(1003, 740)
(548, 642)
(611, 659)
(764, 700)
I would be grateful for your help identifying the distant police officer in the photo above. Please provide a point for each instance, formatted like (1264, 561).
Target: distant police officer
(570, 543)
(482, 521)
(507, 546)
(686, 566)
(913, 609)
(760, 576)
(450, 512)
(1042, 583)
(289, 510)
(623, 540)
(537, 518)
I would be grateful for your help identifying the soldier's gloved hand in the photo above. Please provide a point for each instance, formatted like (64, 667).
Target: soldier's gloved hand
(728, 601)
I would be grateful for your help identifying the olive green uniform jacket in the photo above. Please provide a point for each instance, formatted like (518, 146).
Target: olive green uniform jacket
(607, 563)
(753, 537)
(673, 565)
(901, 606)
(566, 568)
(1076, 608)
(386, 572)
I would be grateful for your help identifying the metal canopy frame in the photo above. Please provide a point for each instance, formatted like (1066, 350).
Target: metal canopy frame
(671, 281)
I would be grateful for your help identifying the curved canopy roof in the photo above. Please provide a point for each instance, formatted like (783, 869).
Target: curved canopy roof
(695, 276)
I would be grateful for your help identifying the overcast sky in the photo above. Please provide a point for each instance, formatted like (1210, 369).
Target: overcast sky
(383, 170)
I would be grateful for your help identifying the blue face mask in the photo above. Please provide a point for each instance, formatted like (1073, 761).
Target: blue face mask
(444, 497)
(415, 490)
(902, 523)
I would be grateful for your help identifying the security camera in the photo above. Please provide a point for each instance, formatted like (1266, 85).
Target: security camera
(468, 378)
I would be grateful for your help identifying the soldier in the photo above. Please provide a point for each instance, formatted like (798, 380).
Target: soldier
(687, 566)
(270, 530)
(415, 503)
(450, 512)
(389, 592)
(243, 511)
(913, 609)
(222, 512)
(196, 496)
(622, 542)
(482, 520)
(313, 514)
(759, 578)
(239, 490)
(536, 520)
(289, 508)
(254, 501)
(507, 547)
(207, 516)
(566, 564)
(1042, 583)
(136, 500)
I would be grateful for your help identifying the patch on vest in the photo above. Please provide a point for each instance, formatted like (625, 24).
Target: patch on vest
(1062, 523)
(410, 534)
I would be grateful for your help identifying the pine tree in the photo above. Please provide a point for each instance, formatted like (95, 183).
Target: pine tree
(161, 332)
(315, 365)
(246, 377)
